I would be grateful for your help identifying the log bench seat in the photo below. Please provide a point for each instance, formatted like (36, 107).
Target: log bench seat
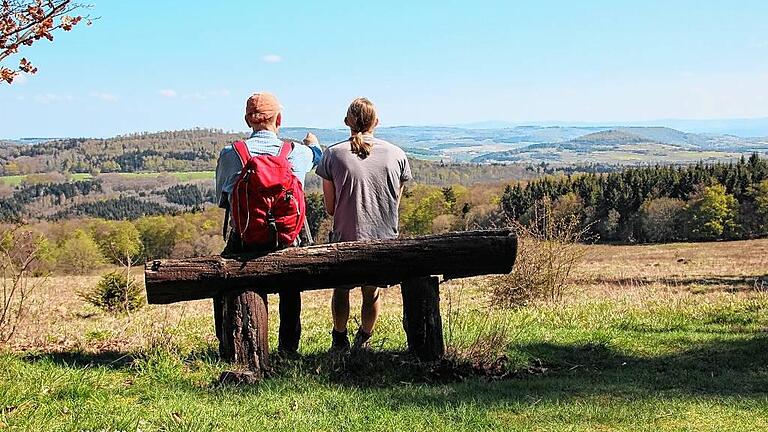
(239, 284)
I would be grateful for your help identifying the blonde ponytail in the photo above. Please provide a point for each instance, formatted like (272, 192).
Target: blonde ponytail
(359, 146)
(361, 118)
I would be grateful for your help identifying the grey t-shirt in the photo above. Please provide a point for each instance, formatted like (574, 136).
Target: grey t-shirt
(367, 190)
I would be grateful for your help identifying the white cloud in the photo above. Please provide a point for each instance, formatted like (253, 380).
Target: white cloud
(21, 79)
(272, 58)
(106, 97)
(49, 98)
(168, 93)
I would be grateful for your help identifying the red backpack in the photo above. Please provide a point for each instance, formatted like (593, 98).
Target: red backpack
(268, 207)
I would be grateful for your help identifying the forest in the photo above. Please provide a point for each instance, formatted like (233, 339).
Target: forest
(159, 219)
(655, 204)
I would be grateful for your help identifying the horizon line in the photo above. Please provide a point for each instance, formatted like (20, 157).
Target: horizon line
(473, 125)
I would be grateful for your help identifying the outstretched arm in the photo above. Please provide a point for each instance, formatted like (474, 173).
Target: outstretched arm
(313, 143)
(329, 196)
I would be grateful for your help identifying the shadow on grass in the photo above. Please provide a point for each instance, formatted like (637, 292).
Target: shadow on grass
(110, 359)
(722, 368)
(80, 359)
(717, 368)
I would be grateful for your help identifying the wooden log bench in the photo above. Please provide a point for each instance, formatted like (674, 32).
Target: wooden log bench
(239, 285)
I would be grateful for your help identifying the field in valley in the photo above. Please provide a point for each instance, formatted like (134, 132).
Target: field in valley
(653, 337)
(181, 176)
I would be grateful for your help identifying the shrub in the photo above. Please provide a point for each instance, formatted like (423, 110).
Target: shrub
(120, 241)
(420, 207)
(158, 236)
(79, 254)
(549, 248)
(116, 292)
(660, 219)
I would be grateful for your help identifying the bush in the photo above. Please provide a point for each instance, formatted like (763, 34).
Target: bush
(158, 236)
(660, 219)
(116, 292)
(548, 250)
(120, 241)
(79, 254)
(419, 208)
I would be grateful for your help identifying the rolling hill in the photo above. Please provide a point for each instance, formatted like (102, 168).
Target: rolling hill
(632, 145)
(198, 149)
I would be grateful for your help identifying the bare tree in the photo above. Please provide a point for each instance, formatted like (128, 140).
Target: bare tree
(24, 22)
(20, 252)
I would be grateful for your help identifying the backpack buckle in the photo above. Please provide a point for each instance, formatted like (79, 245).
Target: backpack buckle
(272, 223)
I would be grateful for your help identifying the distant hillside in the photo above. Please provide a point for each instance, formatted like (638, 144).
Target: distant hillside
(198, 149)
(608, 138)
(744, 128)
(632, 145)
(187, 150)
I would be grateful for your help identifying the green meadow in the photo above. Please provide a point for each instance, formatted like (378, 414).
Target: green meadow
(644, 341)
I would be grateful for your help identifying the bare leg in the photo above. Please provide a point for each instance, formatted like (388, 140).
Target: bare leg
(340, 309)
(370, 309)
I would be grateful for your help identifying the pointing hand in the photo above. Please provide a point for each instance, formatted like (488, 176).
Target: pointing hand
(311, 139)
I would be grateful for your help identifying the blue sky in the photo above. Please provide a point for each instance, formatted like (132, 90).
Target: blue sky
(162, 65)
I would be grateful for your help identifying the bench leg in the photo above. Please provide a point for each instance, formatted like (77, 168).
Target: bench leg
(241, 326)
(421, 318)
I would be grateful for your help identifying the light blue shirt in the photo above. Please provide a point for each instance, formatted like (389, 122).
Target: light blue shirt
(303, 159)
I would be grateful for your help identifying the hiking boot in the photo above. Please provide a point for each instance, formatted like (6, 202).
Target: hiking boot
(339, 341)
(288, 354)
(362, 340)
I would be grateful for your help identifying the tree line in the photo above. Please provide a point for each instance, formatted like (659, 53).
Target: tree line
(650, 204)
(52, 199)
(198, 150)
(656, 203)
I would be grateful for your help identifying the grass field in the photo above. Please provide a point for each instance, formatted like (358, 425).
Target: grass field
(181, 176)
(671, 337)
(16, 180)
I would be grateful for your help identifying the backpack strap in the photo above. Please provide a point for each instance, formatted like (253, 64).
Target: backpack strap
(242, 151)
(286, 149)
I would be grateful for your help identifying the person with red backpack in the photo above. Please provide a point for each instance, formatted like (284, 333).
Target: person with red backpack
(259, 182)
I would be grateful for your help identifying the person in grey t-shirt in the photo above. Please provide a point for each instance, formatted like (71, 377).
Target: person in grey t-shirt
(363, 180)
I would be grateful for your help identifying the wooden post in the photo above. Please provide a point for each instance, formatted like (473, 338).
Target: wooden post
(241, 325)
(421, 317)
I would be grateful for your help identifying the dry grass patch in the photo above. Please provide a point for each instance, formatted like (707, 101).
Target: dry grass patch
(672, 274)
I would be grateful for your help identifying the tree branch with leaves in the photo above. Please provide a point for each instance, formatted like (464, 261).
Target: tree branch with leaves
(24, 22)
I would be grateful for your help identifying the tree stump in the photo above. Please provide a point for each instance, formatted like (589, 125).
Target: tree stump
(241, 321)
(421, 317)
